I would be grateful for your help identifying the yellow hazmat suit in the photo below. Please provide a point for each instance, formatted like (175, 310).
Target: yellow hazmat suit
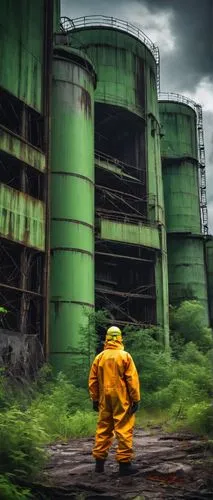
(114, 383)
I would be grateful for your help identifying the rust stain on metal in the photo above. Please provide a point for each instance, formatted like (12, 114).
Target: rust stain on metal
(85, 102)
(21, 149)
(22, 217)
(26, 235)
(56, 307)
(139, 79)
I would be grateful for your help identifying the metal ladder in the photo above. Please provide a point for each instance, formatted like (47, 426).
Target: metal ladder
(157, 59)
(202, 169)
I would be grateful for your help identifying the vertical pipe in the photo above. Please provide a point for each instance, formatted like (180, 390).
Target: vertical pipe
(47, 84)
(72, 205)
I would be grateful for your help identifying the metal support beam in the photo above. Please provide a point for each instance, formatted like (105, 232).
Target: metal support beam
(119, 256)
(21, 290)
(105, 291)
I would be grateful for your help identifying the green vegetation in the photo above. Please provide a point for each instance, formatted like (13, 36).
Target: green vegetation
(177, 387)
(48, 410)
(176, 391)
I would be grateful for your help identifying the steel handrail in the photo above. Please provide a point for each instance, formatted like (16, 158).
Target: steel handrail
(172, 96)
(68, 24)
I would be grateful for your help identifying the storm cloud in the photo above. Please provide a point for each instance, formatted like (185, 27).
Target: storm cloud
(183, 31)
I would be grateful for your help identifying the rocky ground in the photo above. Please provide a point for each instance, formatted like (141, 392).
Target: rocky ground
(171, 466)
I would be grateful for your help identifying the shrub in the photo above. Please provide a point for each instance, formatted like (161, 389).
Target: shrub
(8, 490)
(200, 418)
(153, 363)
(57, 410)
(21, 440)
(179, 381)
(65, 411)
(187, 324)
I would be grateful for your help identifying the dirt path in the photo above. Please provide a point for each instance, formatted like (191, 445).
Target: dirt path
(171, 466)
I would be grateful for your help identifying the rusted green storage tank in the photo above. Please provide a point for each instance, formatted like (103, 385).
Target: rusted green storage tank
(22, 50)
(209, 263)
(127, 79)
(180, 167)
(185, 242)
(125, 61)
(187, 272)
(72, 203)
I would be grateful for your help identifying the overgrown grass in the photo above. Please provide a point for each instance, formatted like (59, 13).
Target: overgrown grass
(176, 387)
(51, 409)
(63, 411)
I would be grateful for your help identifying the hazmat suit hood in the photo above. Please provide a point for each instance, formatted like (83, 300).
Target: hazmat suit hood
(114, 344)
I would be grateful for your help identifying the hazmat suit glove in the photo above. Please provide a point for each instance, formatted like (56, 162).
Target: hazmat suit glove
(95, 405)
(134, 407)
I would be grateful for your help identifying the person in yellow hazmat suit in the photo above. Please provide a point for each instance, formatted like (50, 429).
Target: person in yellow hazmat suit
(115, 391)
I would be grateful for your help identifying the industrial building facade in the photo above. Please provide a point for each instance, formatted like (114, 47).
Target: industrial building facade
(83, 223)
(25, 61)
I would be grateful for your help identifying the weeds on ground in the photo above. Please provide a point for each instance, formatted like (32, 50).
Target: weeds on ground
(51, 411)
(176, 389)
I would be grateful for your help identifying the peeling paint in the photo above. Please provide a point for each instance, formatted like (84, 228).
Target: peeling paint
(20, 149)
(130, 233)
(22, 218)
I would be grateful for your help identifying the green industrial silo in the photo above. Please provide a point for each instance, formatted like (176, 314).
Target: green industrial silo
(131, 254)
(184, 202)
(72, 203)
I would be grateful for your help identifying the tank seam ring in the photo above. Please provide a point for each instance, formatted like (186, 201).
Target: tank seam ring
(78, 302)
(72, 174)
(65, 249)
(74, 221)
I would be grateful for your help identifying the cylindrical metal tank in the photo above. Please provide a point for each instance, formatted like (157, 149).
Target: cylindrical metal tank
(187, 273)
(126, 67)
(209, 264)
(125, 61)
(72, 202)
(180, 164)
(180, 167)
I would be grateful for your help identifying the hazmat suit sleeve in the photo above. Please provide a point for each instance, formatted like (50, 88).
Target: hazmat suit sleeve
(132, 380)
(93, 381)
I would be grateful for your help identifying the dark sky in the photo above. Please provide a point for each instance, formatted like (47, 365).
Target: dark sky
(183, 30)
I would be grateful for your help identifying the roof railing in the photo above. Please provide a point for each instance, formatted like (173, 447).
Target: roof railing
(172, 96)
(68, 25)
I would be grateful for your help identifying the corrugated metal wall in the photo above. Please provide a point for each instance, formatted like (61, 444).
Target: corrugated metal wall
(21, 49)
(25, 64)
